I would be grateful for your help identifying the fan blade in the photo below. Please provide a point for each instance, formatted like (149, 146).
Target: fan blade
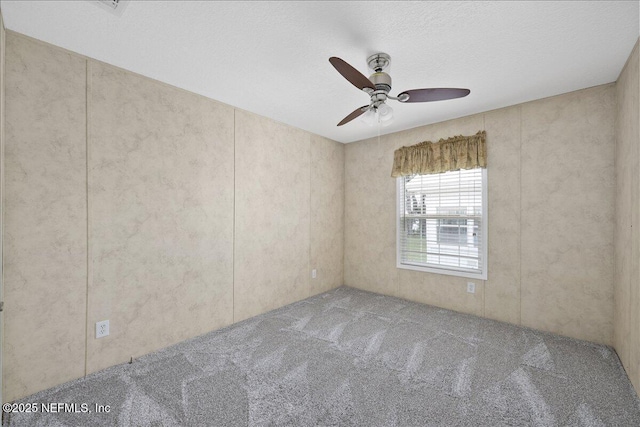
(354, 76)
(356, 113)
(434, 94)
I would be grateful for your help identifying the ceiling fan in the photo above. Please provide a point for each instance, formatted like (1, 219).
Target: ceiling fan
(378, 86)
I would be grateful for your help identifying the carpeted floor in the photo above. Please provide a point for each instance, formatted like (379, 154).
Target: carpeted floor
(349, 357)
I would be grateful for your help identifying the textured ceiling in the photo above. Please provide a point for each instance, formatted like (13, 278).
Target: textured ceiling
(271, 58)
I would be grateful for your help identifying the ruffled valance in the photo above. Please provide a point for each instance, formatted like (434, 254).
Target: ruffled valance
(451, 154)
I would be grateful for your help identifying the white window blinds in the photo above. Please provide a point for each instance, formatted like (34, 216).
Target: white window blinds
(442, 223)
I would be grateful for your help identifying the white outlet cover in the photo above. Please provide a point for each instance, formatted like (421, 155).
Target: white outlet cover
(471, 287)
(314, 273)
(102, 329)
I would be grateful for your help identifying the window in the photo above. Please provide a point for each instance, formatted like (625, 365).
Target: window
(442, 223)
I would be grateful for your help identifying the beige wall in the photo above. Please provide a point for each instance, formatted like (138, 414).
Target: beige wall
(161, 172)
(551, 216)
(281, 233)
(126, 199)
(327, 213)
(627, 237)
(271, 254)
(45, 230)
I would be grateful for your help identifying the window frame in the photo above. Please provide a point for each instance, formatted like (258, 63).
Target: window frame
(447, 271)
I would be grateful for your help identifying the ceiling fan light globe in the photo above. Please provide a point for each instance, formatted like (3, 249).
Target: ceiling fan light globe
(369, 118)
(385, 113)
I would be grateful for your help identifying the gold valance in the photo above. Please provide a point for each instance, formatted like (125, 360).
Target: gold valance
(451, 154)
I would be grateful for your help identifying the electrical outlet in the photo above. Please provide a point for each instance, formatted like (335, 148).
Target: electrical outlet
(314, 273)
(102, 329)
(471, 287)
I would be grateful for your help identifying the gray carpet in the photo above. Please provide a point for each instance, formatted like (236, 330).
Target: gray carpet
(349, 357)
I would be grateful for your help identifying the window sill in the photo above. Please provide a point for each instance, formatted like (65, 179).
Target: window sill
(468, 275)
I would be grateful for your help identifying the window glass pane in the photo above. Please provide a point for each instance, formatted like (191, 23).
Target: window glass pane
(440, 221)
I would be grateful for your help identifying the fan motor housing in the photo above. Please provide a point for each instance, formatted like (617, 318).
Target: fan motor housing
(382, 81)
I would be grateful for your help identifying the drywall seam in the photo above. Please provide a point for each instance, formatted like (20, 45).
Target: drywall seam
(520, 219)
(310, 254)
(344, 213)
(86, 299)
(486, 261)
(3, 37)
(233, 240)
(635, 381)
(637, 47)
